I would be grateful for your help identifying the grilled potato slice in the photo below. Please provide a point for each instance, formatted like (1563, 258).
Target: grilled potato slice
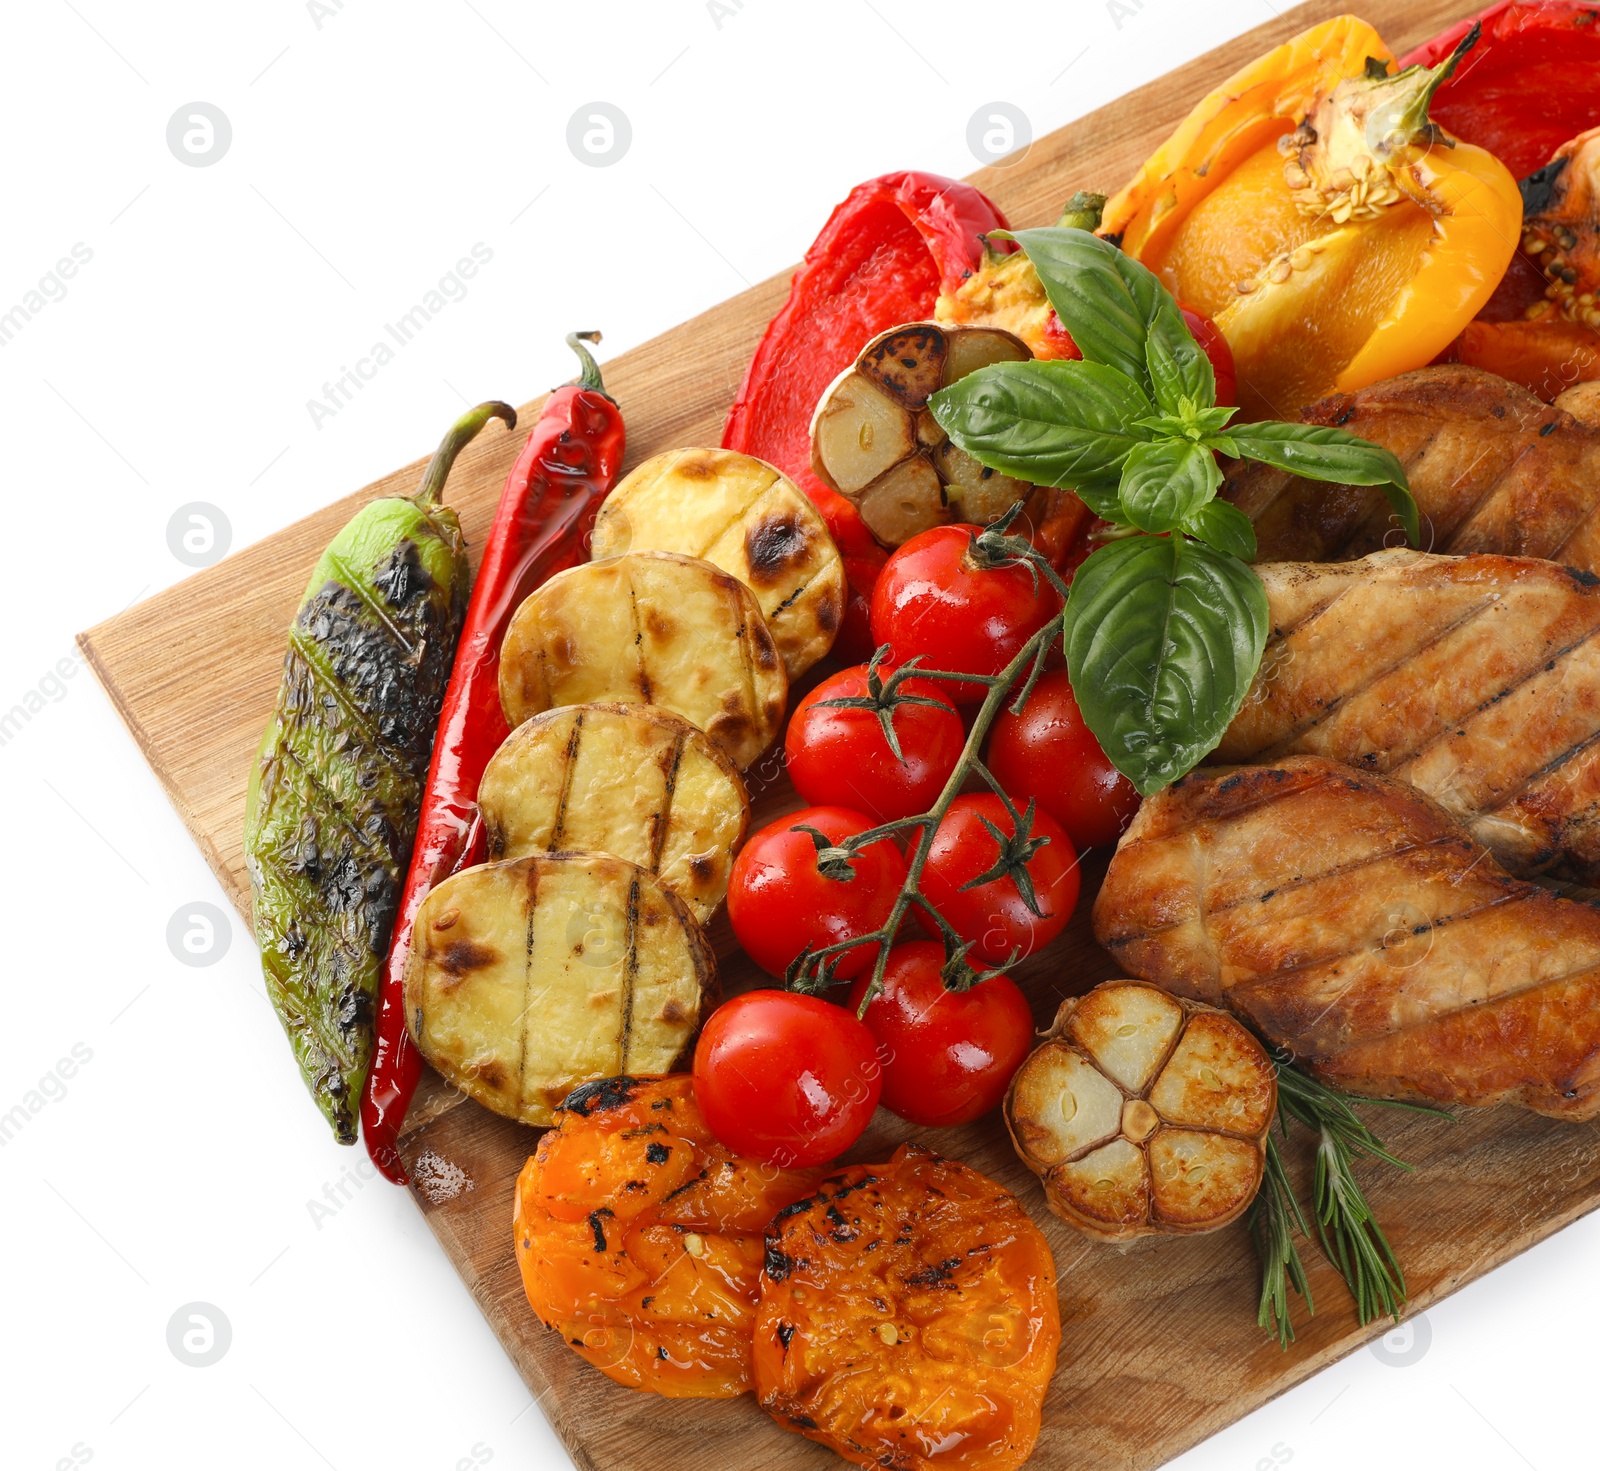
(635, 781)
(529, 977)
(748, 518)
(649, 628)
(1144, 1113)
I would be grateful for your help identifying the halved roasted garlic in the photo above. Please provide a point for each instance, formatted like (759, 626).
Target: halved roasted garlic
(875, 442)
(1144, 1113)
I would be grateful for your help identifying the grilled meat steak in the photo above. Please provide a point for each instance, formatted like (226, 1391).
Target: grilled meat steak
(1350, 920)
(1493, 468)
(1475, 679)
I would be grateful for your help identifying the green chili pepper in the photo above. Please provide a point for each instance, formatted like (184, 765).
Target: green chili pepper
(333, 801)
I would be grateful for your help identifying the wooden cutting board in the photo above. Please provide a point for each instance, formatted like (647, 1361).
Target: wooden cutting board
(1160, 1346)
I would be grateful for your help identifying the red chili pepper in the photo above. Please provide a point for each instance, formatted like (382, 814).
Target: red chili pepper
(546, 512)
(1531, 83)
(882, 259)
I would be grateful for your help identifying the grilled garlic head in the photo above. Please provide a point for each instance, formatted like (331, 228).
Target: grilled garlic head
(874, 440)
(1144, 1113)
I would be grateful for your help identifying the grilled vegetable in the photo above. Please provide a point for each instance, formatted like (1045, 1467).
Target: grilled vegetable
(1005, 292)
(1545, 357)
(1542, 327)
(529, 977)
(649, 628)
(546, 511)
(1311, 208)
(746, 517)
(1533, 83)
(1347, 919)
(908, 1317)
(1562, 230)
(1142, 1113)
(635, 781)
(874, 441)
(333, 800)
(882, 258)
(640, 1237)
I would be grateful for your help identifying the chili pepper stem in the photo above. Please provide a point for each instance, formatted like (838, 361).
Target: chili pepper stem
(461, 434)
(589, 378)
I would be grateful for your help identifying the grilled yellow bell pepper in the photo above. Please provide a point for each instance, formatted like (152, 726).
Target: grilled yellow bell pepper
(1335, 235)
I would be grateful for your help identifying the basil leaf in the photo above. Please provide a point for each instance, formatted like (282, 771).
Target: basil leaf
(1053, 423)
(1226, 527)
(1180, 372)
(1213, 420)
(1163, 637)
(1200, 424)
(1101, 497)
(1329, 454)
(1166, 482)
(1105, 299)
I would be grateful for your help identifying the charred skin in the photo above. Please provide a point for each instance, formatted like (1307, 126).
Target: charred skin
(640, 1238)
(333, 800)
(908, 1318)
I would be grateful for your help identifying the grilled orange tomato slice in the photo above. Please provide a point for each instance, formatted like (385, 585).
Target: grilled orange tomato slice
(640, 1237)
(908, 1317)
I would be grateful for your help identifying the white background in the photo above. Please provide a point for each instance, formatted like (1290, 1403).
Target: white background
(372, 147)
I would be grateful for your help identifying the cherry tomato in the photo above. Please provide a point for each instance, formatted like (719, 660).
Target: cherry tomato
(947, 1055)
(932, 600)
(1049, 754)
(1215, 346)
(778, 901)
(994, 916)
(785, 1078)
(841, 756)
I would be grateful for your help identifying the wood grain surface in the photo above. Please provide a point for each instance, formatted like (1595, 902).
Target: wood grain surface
(1160, 1346)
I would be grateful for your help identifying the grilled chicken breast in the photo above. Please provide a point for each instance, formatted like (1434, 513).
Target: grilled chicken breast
(1351, 921)
(1493, 469)
(1475, 679)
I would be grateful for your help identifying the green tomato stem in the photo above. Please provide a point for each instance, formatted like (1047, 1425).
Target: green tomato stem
(910, 894)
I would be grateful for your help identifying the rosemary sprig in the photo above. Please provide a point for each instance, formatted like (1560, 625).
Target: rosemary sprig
(1346, 1228)
(1275, 1220)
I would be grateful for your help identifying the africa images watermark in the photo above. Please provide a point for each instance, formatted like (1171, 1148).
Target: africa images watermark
(51, 1088)
(721, 10)
(49, 689)
(324, 10)
(52, 286)
(451, 287)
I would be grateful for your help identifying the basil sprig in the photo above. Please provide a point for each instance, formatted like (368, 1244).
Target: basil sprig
(1165, 626)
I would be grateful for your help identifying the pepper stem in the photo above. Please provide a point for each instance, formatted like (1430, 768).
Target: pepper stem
(589, 379)
(1082, 212)
(1401, 118)
(462, 433)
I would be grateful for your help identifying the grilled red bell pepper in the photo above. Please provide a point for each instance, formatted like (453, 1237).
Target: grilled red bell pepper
(882, 259)
(546, 512)
(1531, 83)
